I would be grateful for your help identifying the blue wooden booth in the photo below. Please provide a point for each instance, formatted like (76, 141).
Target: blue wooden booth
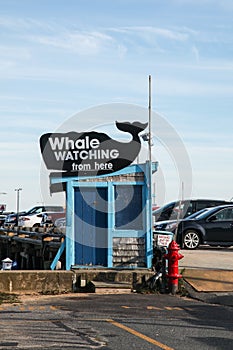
(108, 218)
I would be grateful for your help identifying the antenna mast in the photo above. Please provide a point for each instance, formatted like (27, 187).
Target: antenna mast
(149, 136)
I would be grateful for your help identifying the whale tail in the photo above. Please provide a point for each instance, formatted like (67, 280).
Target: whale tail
(133, 128)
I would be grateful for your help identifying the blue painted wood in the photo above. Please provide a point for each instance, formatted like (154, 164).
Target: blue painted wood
(149, 225)
(58, 255)
(78, 255)
(134, 168)
(70, 260)
(90, 226)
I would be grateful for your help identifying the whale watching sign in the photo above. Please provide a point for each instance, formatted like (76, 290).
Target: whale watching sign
(90, 153)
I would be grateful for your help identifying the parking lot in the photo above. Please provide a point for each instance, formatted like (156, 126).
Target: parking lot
(113, 322)
(208, 257)
(122, 321)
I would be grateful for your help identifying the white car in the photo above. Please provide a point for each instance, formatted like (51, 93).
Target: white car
(60, 224)
(34, 218)
(49, 218)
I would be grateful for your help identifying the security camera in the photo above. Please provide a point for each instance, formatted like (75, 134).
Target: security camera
(145, 137)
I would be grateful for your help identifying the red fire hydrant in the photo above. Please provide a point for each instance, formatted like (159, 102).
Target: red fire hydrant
(173, 257)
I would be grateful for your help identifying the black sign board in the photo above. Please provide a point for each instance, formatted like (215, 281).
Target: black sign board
(90, 153)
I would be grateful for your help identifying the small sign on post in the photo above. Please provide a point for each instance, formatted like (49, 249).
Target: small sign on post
(163, 239)
(7, 264)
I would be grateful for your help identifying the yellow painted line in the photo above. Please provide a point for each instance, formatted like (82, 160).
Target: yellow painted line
(149, 307)
(52, 307)
(153, 308)
(29, 308)
(140, 335)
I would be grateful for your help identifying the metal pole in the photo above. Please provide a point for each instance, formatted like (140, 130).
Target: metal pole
(149, 141)
(17, 205)
(150, 146)
(150, 169)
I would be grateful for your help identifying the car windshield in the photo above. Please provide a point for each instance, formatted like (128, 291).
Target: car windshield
(198, 213)
(34, 211)
(166, 206)
(202, 214)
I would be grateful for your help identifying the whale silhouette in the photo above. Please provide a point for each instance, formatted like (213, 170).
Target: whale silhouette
(90, 153)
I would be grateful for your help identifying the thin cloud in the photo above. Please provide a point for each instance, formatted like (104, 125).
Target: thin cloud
(93, 42)
(16, 23)
(159, 32)
(171, 35)
(81, 42)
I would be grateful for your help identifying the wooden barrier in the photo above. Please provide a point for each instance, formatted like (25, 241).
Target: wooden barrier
(30, 250)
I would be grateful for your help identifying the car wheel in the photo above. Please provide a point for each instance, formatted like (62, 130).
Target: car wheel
(191, 239)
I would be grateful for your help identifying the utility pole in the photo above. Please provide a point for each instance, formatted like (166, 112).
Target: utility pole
(17, 205)
(150, 168)
(149, 107)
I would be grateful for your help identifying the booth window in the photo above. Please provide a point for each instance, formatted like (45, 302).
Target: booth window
(128, 207)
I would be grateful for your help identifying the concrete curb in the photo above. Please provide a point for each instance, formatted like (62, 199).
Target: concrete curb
(44, 282)
(209, 280)
(57, 282)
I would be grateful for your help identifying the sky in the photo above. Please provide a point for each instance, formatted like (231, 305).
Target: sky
(60, 59)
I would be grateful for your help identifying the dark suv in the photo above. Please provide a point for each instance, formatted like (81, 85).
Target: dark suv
(213, 226)
(181, 209)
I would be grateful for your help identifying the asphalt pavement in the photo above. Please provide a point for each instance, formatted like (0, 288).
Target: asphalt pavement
(131, 321)
(114, 322)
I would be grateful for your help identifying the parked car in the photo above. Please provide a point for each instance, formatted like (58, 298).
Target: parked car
(11, 219)
(60, 224)
(212, 227)
(171, 225)
(34, 216)
(181, 209)
(49, 218)
(2, 219)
